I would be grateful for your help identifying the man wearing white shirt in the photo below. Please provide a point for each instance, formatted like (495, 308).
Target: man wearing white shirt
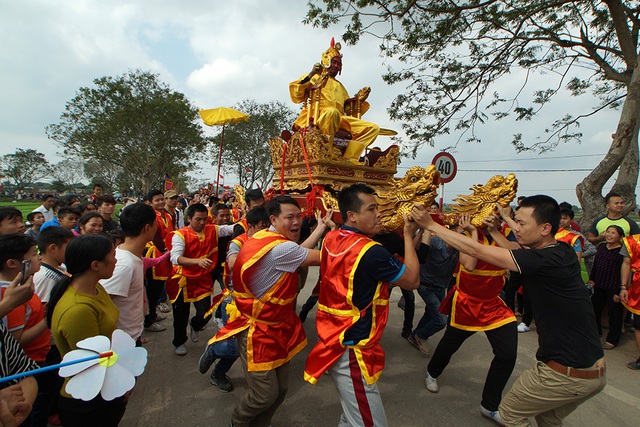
(46, 208)
(126, 286)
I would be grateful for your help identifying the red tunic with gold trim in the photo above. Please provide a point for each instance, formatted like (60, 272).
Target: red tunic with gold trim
(195, 281)
(569, 237)
(226, 276)
(275, 333)
(164, 222)
(342, 251)
(632, 243)
(235, 214)
(474, 303)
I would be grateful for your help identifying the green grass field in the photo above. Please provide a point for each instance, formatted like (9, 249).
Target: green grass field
(24, 207)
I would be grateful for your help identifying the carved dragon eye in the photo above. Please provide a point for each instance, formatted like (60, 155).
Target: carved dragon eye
(414, 178)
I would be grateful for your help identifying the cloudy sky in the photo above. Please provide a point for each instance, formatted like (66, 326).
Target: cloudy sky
(219, 53)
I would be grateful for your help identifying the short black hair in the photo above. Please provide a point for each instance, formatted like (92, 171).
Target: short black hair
(434, 203)
(70, 199)
(32, 215)
(213, 200)
(545, 210)
(85, 205)
(44, 197)
(217, 208)
(115, 235)
(258, 215)
(153, 193)
(106, 199)
(253, 195)
(96, 185)
(567, 212)
(10, 212)
(134, 217)
(14, 246)
(53, 235)
(349, 198)
(609, 196)
(274, 205)
(66, 210)
(196, 207)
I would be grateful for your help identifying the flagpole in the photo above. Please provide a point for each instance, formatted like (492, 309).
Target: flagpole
(219, 160)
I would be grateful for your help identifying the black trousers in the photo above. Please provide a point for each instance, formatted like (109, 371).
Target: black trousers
(600, 299)
(154, 290)
(504, 342)
(95, 413)
(181, 317)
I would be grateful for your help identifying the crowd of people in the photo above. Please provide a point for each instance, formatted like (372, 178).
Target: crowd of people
(77, 270)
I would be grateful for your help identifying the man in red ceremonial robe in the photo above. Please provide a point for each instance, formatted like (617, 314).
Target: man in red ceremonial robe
(158, 274)
(474, 305)
(194, 254)
(630, 289)
(269, 333)
(354, 305)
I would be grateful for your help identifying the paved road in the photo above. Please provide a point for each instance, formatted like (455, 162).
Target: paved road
(172, 392)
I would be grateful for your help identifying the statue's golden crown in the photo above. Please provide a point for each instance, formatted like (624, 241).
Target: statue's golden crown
(332, 52)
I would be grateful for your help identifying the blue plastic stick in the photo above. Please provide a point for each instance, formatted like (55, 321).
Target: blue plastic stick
(52, 367)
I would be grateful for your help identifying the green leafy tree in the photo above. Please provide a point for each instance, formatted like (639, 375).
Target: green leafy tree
(453, 55)
(133, 124)
(25, 167)
(69, 172)
(246, 150)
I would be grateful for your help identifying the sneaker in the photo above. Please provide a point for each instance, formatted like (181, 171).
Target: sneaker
(522, 327)
(164, 307)
(419, 343)
(193, 334)
(492, 415)
(154, 327)
(160, 318)
(207, 359)
(634, 365)
(222, 382)
(181, 350)
(431, 383)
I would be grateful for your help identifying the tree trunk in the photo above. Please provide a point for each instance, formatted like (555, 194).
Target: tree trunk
(589, 191)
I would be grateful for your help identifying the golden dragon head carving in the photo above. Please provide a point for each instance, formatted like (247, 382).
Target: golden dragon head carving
(419, 185)
(482, 202)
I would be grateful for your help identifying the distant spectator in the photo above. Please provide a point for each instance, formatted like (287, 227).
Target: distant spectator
(91, 223)
(434, 207)
(87, 207)
(615, 206)
(566, 206)
(46, 208)
(106, 206)
(71, 200)
(10, 220)
(97, 193)
(66, 217)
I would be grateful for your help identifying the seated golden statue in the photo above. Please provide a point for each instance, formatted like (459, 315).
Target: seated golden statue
(327, 105)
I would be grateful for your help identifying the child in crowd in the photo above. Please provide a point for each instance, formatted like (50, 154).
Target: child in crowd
(26, 322)
(10, 220)
(35, 220)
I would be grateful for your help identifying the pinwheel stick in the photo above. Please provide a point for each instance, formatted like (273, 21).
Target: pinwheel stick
(106, 354)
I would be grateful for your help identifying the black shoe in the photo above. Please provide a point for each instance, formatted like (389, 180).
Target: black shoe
(405, 332)
(303, 314)
(222, 382)
(207, 359)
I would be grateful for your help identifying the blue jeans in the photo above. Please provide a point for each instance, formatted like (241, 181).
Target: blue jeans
(226, 350)
(432, 321)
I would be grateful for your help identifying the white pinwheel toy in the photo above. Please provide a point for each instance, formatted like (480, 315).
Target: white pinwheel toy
(100, 366)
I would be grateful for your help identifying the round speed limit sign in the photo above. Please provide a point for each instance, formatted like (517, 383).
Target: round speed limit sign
(446, 165)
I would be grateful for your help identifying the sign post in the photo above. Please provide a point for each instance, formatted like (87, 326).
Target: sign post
(447, 166)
